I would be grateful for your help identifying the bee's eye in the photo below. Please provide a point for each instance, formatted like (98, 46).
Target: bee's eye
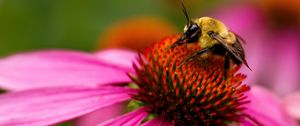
(193, 32)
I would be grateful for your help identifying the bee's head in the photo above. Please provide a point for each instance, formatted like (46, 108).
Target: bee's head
(192, 32)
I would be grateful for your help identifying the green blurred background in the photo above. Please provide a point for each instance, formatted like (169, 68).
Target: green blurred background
(33, 24)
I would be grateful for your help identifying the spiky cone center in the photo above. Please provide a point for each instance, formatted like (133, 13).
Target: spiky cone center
(195, 93)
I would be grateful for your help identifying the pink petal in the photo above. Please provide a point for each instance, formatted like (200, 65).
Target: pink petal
(292, 103)
(157, 122)
(267, 109)
(47, 106)
(57, 68)
(96, 117)
(130, 119)
(119, 57)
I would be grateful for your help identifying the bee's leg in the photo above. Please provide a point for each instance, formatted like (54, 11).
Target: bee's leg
(226, 65)
(175, 45)
(198, 53)
(180, 41)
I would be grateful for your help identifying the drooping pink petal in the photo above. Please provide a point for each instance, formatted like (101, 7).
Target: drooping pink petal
(130, 119)
(292, 104)
(96, 117)
(119, 57)
(56, 68)
(157, 122)
(47, 106)
(267, 109)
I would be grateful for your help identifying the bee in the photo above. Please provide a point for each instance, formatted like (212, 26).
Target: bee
(212, 36)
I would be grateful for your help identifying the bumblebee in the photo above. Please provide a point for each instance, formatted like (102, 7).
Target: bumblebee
(212, 35)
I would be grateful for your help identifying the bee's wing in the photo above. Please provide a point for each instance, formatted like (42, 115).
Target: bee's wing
(239, 38)
(236, 49)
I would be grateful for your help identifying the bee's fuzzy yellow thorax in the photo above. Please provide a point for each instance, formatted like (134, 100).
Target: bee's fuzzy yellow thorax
(210, 24)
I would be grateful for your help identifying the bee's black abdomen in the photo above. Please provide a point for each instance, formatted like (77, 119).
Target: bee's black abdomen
(218, 49)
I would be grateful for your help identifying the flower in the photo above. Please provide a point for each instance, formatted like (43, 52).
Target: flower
(189, 94)
(195, 93)
(272, 51)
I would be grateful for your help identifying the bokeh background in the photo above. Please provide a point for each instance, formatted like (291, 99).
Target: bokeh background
(270, 28)
(34, 24)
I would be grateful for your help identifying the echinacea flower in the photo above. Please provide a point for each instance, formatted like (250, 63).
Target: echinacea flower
(62, 85)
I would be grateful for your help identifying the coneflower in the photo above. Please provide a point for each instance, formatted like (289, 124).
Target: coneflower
(162, 91)
(196, 93)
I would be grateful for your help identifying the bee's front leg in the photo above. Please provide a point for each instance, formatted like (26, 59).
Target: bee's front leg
(198, 53)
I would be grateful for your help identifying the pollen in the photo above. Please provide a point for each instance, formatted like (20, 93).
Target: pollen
(195, 93)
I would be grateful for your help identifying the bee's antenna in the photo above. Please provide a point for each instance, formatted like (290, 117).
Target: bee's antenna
(184, 11)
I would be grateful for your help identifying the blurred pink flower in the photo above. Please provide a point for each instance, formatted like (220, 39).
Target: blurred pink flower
(272, 52)
(59, 85)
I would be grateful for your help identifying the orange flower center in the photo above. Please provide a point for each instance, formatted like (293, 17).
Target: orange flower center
(196, 93)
